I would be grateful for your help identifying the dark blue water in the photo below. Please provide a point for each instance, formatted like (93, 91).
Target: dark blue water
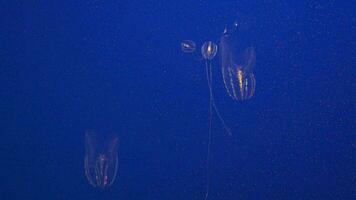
(69, 66)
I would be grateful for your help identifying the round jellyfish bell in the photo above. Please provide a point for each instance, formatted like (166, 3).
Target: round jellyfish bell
(209, 50)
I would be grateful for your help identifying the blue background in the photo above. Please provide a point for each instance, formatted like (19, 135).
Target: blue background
(68, 66)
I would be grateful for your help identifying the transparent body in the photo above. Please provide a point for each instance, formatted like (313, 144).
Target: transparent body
(101, 159)
(209, 50)
(238, 57)
(188, 46)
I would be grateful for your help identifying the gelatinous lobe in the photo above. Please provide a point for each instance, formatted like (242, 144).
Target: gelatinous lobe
(239, 85)
(188, 46)
(101, 159)
(209, 50)
(238, 58)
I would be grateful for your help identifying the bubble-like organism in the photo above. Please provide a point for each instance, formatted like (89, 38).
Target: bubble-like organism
(208, 50)
(101, 159)
(188, 46)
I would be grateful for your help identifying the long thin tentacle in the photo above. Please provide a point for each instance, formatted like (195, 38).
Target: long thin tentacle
(227, 129)
(212, 105)
(209, 136)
